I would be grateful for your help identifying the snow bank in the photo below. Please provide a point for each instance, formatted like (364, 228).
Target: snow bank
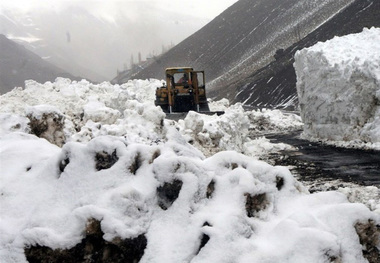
(226, 132)
(238, 130)
(253, 212)
(274, 121)
(338, 84)
(90, 110)
(122, 164)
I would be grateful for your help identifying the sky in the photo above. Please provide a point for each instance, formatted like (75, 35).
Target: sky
(207, 9)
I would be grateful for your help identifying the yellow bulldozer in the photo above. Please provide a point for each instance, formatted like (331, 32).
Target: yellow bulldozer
(185, 91)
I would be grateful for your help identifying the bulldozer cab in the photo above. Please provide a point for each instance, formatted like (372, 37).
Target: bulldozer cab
(184, 91)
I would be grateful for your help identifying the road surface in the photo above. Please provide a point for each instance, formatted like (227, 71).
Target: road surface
(313, 161)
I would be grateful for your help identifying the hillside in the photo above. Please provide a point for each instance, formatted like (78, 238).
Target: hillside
(275, 83)
(18, 64)
(242, 40)
(245, 36)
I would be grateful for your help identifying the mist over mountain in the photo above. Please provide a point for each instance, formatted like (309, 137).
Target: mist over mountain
(245, 38)
(18, 64)
(96, 44)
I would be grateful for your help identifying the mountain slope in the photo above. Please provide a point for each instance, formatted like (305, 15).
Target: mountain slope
(274, 84)
(18, 64)
(244, 38)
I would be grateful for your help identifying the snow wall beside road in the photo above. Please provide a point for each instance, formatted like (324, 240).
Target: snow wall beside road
(338, 85)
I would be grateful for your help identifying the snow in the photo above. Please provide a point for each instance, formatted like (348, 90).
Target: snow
(338, 84)
(48, 193)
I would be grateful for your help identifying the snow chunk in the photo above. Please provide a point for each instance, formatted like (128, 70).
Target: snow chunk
(47, 122)
(215, 133)
(338, 84)
(98, 112)
(220, 105)
(238, 130)
(12, 123)
(274, 121)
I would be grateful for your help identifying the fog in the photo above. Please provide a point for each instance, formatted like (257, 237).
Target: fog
(95, 39)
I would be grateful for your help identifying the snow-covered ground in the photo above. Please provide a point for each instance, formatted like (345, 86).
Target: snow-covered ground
(338, 84)
(106, 153)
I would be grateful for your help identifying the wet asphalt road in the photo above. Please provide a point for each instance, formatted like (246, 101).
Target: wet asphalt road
(313, 161)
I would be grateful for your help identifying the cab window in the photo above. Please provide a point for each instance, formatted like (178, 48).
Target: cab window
(181, 78)
(200, 79)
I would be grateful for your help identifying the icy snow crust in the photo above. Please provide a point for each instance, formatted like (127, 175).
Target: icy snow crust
(338, 84)
(48, 193)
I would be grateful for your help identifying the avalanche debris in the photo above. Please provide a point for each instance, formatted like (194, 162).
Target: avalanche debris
(127, 180)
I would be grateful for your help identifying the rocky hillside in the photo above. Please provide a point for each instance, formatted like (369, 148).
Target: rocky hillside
(241, 42)
(18, 64)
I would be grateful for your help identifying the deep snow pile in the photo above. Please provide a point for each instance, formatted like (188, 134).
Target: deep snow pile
(122, 164)
(338, 84)
(238, 130)
(88, 110)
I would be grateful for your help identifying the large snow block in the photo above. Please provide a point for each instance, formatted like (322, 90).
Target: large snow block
(338, 85)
